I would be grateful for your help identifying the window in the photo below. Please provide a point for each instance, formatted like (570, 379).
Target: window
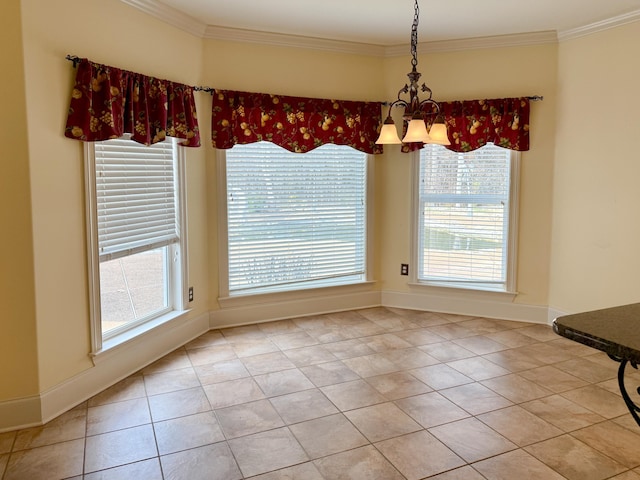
(294, 220)
(136, 234)
(466, 215)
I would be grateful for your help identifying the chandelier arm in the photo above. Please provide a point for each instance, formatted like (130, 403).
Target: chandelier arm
(397, 103)
(404, 89)
(433, 103)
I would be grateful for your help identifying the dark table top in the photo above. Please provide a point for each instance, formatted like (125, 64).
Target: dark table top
(615, 330)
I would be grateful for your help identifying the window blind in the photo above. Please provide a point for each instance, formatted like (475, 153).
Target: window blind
(295, 218)
(136, 196)
(464, 215)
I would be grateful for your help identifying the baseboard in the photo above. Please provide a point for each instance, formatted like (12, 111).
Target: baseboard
(20, 413)
(267, 310)
(130, 358)
(447, 301)
(555, 313)
(467, 303)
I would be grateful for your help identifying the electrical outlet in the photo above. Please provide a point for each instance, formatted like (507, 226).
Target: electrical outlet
(404, 269)
(191, 294)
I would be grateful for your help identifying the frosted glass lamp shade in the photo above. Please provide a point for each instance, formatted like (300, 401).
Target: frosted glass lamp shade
(388, 134)
(438, 134)
(417, 132)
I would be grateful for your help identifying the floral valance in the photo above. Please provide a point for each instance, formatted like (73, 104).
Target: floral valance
(107, 102)
(472, 124)
(294, 123)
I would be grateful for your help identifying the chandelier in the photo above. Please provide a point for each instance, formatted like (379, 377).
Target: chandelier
(414, 114)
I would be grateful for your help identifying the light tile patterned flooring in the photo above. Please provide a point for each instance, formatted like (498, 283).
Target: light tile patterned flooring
(370, 394)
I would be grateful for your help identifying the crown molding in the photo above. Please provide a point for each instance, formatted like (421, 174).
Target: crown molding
(496, 41)
(195, 27)
(296, 41)
(169, 15)
(599, 26)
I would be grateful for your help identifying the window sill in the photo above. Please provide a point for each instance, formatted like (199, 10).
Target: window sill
(116, 343)
(463, 290)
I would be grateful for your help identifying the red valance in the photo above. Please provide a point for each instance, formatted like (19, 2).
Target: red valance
(107, 102)
(472, 124)
(294, 123)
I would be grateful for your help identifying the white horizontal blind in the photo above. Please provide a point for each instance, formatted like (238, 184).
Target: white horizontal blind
(464, 215)
(136, 196)
(295, 219)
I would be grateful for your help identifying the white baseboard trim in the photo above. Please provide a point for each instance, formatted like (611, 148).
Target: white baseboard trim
(467, 303)
(20, 413)
(555, 313)
(234, 316)
(131, 357)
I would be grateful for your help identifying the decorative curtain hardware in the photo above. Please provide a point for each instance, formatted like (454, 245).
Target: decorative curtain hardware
(107, 102)
(471, 124)
(295, 123)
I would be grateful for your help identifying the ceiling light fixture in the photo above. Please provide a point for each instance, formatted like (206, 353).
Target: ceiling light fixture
(414, 114)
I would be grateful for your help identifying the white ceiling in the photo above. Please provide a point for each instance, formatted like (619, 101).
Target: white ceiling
(388, 22)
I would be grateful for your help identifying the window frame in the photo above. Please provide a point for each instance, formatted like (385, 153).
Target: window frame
(511, 241)
(223, 253)
(177, 259)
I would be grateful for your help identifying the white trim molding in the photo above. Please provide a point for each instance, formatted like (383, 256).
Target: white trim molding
(20, 413)
(599, 26)
(195, 27)
(476, 43)
(258, 309)
(117, 365)
(464, 302)
(294, 41)
(555, 313)
(169, 15)
(266, 308)
(120, 363)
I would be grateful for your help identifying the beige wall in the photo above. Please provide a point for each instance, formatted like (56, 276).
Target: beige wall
(595, 257)
(106, 31)
(18, 354)
(476, 74)
(292, 71)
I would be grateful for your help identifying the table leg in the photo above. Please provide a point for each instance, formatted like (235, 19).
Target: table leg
(633, 408)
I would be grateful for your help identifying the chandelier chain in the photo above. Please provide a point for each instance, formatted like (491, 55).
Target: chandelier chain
(414, 35)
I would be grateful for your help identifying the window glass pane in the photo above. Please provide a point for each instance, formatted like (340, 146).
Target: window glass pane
(133, 288)
(295, 219)
(464, 215)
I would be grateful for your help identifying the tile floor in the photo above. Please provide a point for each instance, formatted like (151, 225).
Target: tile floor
(370, 394)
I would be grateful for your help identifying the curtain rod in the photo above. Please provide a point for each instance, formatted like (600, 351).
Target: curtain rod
(533, 98)
(75, 59)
